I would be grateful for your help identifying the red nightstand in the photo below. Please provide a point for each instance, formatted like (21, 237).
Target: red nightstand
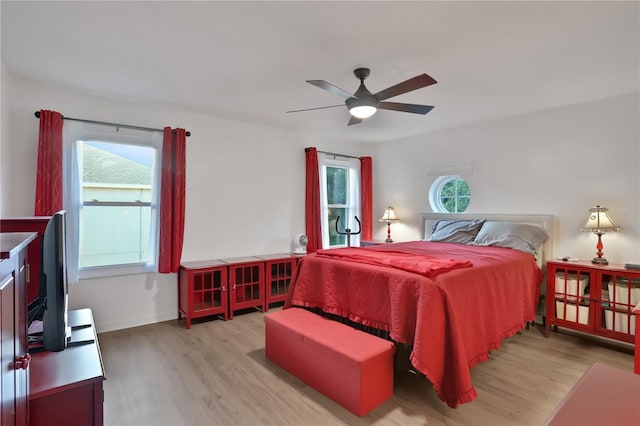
(278, 272)
(595, 299)
(202, 289)
(246, 283)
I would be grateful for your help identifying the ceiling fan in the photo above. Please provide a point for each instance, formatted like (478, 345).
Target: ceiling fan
(363, 104)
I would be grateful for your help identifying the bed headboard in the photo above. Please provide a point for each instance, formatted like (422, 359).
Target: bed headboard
(540, 220)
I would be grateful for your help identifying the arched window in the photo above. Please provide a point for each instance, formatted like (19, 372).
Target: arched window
(449, 194)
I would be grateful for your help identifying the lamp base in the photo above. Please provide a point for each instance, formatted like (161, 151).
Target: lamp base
(388, 240)
(600, 261)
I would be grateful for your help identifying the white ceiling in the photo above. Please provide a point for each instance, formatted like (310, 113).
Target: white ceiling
(249, 61)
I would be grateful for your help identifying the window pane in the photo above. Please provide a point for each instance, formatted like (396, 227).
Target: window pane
(116, 172)
(463, 203)
(449, 189)
(114, 235)
(336, 185)
(449, 204)
(462, 188)
(334, 237)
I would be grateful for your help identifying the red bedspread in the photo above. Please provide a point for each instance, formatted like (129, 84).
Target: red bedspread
(452, 320)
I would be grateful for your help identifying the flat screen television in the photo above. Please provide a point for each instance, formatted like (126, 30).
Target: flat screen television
(50, 306)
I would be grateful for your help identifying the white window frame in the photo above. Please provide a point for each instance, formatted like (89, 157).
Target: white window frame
(73, 133)
(353, 197)
(435, 193)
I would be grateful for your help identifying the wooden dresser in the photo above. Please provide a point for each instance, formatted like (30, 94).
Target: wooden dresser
(14, 359)
(66, 387)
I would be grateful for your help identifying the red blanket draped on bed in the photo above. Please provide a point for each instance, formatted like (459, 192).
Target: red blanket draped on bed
(422, 264)
(452, 319)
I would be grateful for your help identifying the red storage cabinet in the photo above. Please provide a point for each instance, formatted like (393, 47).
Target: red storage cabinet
(246, 283)
(279, 269)
(595, 299)
(202, 290)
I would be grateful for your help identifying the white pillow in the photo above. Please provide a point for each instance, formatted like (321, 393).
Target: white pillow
(519, 236)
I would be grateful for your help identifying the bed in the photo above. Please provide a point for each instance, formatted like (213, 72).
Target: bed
(451, 302)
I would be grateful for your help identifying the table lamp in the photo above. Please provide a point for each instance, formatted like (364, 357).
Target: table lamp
(389, 217)
(600, 223)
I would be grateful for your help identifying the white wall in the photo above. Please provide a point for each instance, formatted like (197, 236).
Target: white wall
(560, 162)
(4, 132)
(245, 191)
(245, 183)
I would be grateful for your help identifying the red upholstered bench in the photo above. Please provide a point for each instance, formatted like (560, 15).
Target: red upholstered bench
(353, 368)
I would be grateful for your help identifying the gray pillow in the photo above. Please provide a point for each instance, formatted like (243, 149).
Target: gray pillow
(456, 231)
(519, 236)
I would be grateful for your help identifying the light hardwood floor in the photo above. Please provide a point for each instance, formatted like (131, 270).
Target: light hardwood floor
(216, 373)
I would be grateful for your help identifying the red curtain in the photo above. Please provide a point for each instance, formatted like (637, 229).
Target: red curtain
(312, 201)
(172, 200)
(366, 198)
(49, 171)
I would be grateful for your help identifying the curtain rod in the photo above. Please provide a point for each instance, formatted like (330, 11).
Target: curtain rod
(334, 154)
(104, 123)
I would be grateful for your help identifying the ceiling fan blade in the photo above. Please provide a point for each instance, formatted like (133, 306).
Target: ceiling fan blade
(422, 80)
(354, 120)
(312, 109)
(416, 109)
(330, 88)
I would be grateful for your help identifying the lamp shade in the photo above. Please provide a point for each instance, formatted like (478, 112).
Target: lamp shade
(599, 221)
(389, 215)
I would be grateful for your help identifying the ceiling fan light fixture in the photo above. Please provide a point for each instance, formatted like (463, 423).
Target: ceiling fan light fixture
(363, 107)
(363, 111)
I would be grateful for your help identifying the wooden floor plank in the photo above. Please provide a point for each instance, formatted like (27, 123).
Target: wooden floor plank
(216, 373)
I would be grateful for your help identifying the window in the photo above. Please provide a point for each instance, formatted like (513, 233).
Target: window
(449, 194)
(113, 229)
(339, 197)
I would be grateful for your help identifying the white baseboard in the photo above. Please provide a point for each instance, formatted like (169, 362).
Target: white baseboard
(103, 327)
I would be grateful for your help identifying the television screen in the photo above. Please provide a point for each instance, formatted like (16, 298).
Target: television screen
(50, 306)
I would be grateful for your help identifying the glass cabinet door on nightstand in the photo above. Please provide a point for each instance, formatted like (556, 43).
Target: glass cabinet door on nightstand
(208, 290)
(278, 279)
(246, 283)
(202, 290)
(622, 291)
(596, 299)
(570, 297)
(278, 272)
